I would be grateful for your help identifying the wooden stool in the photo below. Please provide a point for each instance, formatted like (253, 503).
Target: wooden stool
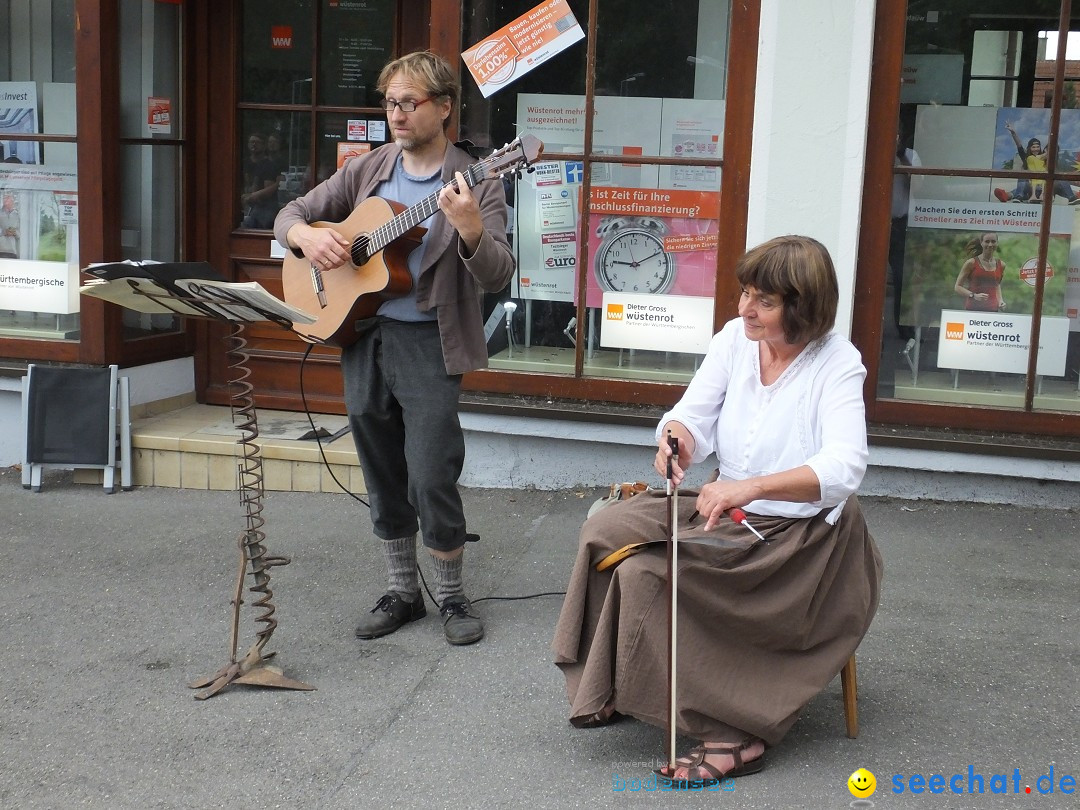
(850, 688)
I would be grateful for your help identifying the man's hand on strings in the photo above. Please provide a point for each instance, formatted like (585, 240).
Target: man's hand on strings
(325, 248)
(462, 211)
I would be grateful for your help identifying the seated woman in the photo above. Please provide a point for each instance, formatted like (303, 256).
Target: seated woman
(762, 627)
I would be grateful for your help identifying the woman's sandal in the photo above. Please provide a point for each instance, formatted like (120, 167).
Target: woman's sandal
(701, 772)
(606, 716)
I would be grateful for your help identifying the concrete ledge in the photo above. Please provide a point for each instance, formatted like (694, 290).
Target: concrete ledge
(509, 451)
(512, 451)
(974, 478)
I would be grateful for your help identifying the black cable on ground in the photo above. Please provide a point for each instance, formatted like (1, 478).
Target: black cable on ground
(315, 431)
(435, 602)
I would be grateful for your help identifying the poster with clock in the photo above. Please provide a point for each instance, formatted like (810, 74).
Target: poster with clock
(651, 242)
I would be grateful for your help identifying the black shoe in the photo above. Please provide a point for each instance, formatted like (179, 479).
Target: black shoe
(390, 612)
(459, 625)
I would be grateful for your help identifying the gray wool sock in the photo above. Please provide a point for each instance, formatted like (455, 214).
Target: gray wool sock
(448, 578)
(400, 554)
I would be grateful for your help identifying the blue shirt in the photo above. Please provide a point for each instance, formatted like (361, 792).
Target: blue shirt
(408, 190)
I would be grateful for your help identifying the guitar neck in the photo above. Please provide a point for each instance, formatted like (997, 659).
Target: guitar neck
(413, 216)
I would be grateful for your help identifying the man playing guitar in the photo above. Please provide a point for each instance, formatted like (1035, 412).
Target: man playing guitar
(402, 369)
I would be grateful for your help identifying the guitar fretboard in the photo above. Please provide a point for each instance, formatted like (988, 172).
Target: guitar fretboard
(413, 216)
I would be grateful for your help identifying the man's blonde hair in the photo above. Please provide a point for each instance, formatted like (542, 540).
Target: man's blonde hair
(424, 69)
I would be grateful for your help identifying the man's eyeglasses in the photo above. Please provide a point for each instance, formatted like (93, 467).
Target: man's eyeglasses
(388, 104)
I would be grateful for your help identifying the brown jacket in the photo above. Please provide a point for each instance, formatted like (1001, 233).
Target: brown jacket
(449, 282)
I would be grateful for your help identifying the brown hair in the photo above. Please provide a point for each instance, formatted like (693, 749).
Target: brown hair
(427, 70)
(974, 244)
(799, 270)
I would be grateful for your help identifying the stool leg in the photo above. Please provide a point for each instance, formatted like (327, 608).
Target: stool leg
(849, 684)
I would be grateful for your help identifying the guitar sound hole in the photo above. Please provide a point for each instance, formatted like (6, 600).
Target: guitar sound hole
(359, 250)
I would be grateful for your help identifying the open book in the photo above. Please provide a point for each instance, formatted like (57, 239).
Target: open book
(187, 288)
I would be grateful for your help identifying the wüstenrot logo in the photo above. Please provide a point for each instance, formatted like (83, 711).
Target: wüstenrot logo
(954, 331)
(614, 312)
(281, 36)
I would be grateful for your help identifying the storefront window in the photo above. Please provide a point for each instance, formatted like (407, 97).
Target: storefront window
(277, 46)
(281, 101)
(985, 237)
(39, 240)
(633, 296)
(150, 223)
(151, 126)
(357, 40)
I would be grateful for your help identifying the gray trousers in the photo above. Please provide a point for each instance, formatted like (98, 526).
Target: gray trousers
(403, 413)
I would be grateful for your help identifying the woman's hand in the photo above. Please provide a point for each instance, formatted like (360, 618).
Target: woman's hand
(718, 497)
(663, 452)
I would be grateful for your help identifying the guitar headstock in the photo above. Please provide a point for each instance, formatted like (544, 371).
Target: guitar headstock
(520, 153)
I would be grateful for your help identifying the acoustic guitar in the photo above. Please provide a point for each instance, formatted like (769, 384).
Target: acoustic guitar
(383, 233)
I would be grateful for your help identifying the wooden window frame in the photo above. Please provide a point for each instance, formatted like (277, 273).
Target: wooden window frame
(873, 252)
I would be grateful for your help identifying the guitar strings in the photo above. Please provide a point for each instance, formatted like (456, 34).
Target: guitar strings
(410, 217)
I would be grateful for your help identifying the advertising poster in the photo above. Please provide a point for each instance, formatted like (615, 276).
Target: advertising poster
(159, 115)
(546, 231)
(526, 43)
(356, 129)
(680, 218)
(622, 126)
(692, 128)
(932, 78)
(18, 114)
(983, 341)
(1072, 283)
(346, 150)
(935, 258)
(547, 203)
(39, 239)
(950, 217)
(357, 40)
(1019, 143)
(646, 322)
(47, 206)
(651, 242)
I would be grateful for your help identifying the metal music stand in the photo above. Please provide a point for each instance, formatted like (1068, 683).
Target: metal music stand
(217, 303)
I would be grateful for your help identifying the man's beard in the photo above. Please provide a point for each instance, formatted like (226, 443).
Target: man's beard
(410, 143)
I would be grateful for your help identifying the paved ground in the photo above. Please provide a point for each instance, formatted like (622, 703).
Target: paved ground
(110, 604)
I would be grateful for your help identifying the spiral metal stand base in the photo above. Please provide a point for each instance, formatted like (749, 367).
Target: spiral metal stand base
(253, 668)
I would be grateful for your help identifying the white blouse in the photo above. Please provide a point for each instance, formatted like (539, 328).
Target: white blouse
(812, 415)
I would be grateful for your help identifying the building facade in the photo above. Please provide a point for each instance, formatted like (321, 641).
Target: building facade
(904, 136)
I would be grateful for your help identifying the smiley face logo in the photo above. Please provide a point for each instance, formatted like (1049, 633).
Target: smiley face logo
(862, 784)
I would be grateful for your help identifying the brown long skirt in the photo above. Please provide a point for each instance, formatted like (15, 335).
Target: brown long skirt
(762, 628)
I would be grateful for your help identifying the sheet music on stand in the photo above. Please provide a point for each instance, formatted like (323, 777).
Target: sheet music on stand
(189, 289)
(194, 289)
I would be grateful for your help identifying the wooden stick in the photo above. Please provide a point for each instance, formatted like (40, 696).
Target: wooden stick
(673, 594)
